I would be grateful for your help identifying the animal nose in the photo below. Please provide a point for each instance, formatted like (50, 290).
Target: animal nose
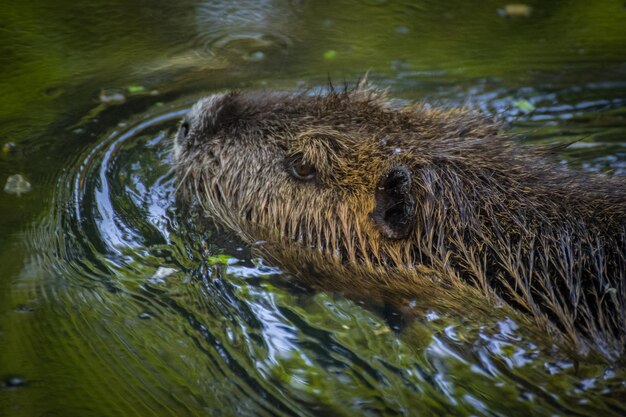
(183, 131)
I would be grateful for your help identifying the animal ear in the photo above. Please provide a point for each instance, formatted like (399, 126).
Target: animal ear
(394, 214)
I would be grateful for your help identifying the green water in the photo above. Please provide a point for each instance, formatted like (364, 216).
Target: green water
(112, 304)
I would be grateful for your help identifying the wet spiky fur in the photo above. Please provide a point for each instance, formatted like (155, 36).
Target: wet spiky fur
(489, 212)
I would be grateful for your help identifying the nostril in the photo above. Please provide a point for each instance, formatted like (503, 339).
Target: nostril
(183, 131)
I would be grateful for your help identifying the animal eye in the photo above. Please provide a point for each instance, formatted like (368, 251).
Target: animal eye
(302, 171)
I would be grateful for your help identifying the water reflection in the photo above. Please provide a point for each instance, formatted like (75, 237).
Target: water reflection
(169, 300)
(246, 27)
(117, 302)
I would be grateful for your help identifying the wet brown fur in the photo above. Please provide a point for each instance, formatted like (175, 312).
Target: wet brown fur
(489, 212)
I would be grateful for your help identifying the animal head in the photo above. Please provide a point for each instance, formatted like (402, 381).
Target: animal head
(333, 173)
(407, 200)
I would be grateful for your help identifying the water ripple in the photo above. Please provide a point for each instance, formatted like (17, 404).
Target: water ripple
(158, 307)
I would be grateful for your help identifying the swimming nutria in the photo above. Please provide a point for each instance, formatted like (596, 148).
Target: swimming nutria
(344, 182)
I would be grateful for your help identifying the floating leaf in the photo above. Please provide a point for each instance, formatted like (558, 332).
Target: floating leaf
(111, 97)
(136, 89)
(524, 105)
(330, 54)
(516, 10)
(16, 184)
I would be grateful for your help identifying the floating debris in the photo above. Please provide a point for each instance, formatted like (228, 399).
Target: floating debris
(330, 54)
(16, 184)
(516, 10)
(403, 30)
(14, 381)
(524, 105)
(8, 148)
(382, 330)
(24, 308)
(53, 92)
(134, 89)
(111, 97)
(255, 56)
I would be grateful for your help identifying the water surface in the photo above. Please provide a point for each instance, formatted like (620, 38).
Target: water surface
(113, 303)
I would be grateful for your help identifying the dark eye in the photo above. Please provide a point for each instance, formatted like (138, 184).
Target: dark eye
(301, 170)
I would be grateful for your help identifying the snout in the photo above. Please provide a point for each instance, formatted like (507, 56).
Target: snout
(204, 118)
(183, 131)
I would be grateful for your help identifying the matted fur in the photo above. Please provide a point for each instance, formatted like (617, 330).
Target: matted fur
(504, 218)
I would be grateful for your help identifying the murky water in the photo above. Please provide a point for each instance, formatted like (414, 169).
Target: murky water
(114, 303)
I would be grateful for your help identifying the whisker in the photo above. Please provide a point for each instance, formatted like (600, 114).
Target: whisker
(182, 180)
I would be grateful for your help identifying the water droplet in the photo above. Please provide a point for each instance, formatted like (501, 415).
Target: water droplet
(431, 316)
(14, 381)
(145, 316)
(111, 97)
(403, 30)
